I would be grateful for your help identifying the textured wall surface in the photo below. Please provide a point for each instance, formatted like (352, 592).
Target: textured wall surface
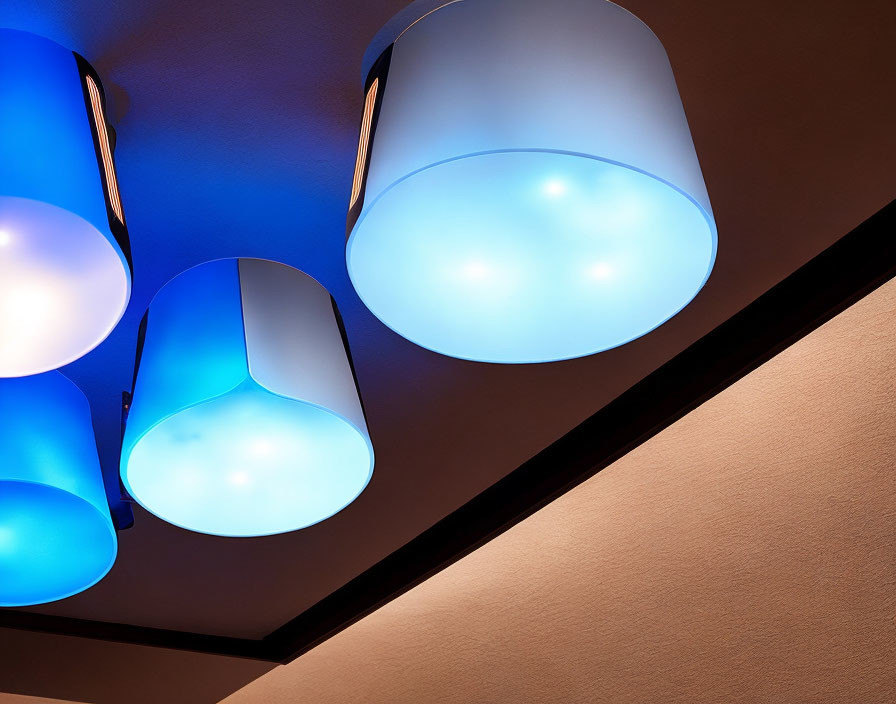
(746, 554)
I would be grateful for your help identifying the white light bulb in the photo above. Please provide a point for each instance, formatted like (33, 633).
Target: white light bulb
(5, 238)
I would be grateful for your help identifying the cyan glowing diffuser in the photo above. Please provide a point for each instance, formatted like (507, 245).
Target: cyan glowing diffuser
(245, 419)
(526, 186)
(56, 534)
(64, 256)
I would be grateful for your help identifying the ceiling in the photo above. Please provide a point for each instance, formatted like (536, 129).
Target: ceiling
(237, 128)
(745, 554)
(23, 699)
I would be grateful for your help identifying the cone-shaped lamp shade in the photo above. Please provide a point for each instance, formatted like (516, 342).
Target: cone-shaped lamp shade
(246, 419)
(526, 188)
(64, 269)
(56, 534)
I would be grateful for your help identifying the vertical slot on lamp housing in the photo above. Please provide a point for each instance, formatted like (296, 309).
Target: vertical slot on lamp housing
(364, 141)
(105, 149)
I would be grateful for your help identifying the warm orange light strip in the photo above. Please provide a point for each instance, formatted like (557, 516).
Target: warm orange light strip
(100, 121)
(364, 140)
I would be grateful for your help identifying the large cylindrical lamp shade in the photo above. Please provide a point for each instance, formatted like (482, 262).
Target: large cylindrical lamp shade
(526, 188)
(64, 256)
(246, 418)
(56, 534)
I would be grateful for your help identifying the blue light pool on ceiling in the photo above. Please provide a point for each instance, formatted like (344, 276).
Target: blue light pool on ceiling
(531, 194)
(64, 277)
(56, 534)
(245, 419)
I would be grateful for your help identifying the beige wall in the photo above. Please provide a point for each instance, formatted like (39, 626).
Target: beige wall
(746, 554)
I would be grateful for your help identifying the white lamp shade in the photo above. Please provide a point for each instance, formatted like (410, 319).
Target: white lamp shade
(246, 418)
(527, 188)
(64, 270)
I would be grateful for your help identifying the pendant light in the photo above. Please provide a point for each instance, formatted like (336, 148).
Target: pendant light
(56, 534)
(246, 418)
(526, 187)
(65, 272)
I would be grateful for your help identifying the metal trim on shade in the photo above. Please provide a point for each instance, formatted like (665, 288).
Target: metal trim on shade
(393, 29)
(847, 271)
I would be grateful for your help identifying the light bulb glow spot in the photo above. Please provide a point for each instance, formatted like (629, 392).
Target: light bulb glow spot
(475, 271)
(555, 188)
(601, 271)
(7, 540)
(239, 478)
(261, 448)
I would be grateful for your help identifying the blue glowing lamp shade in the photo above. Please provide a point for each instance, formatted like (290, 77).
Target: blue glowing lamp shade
(56, 534)
(526, 187)
(246, 419)
(64, 256)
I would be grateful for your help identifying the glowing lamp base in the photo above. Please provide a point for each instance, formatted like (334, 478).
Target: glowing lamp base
(249, 463)
(53, 544)
(529, 256)
(63, 287)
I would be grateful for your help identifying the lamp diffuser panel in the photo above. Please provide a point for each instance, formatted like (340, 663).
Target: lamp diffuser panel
(56, 534)
(246, 418)
(527, 189)
(64, 269)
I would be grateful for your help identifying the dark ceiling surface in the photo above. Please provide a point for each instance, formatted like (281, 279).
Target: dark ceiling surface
(237, 129)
